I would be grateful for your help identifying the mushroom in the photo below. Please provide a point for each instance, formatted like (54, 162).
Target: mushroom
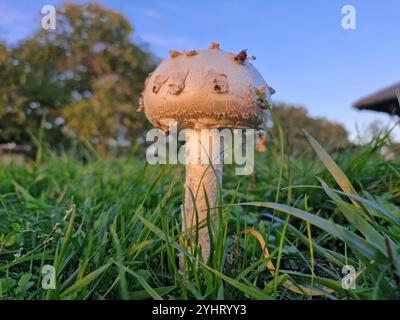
(205, 90)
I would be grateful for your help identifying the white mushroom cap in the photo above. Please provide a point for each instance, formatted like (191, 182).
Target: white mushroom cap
(205, 89)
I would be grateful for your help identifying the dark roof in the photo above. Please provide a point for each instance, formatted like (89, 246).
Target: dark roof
(11, 147)
(384, 101)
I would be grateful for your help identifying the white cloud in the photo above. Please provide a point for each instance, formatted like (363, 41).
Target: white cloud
(151, 13)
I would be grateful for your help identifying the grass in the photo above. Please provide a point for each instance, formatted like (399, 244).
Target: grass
(111, 228)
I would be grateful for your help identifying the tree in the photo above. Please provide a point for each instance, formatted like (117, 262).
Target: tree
(84, 78)
(12, 117)
(295, 119)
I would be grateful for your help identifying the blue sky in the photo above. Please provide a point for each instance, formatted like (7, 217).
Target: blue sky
(302, 50)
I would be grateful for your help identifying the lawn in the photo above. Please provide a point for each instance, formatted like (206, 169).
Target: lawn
(110, 227)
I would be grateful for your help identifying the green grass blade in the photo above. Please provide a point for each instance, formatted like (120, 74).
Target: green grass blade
(252, 291)
(335, 230)
(153, 293)
(332, 167)
(85, 281)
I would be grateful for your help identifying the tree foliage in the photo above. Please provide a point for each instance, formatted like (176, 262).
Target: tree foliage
(83, 79)
(295, 119)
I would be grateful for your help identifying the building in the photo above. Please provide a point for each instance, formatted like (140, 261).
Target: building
(383, 101)
(12, 153)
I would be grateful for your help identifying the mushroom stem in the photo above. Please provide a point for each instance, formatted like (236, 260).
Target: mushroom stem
(201, 177)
